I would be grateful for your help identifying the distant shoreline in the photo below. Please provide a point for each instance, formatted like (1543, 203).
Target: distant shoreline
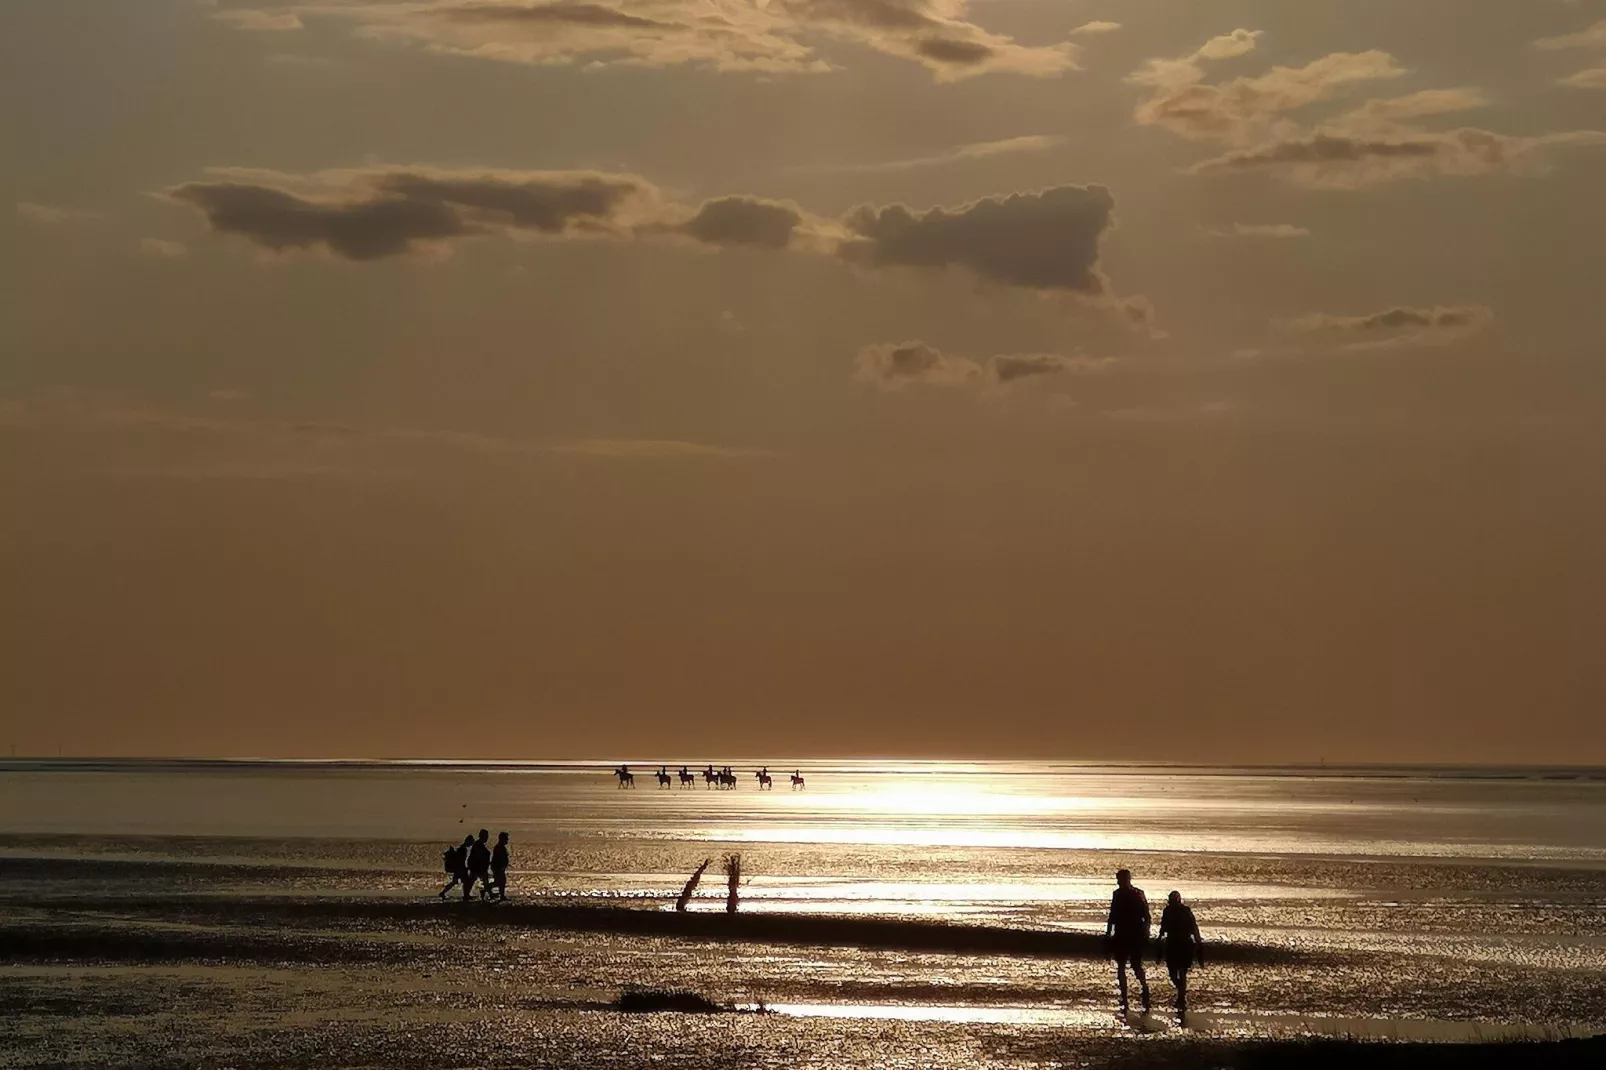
(821, 767)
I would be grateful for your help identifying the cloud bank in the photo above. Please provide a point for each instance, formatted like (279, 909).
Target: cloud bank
(1379, 141)
(770, 36)
(1047, 240)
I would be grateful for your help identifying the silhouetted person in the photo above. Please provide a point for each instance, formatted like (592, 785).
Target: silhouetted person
(479, 865)
(499, 863)
(455, 861)
(1181, 946)
(1127, 933)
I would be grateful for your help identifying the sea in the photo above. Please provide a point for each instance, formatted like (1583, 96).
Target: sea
(286, 913)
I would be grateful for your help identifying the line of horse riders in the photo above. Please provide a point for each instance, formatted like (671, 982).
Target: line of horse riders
(719, 779)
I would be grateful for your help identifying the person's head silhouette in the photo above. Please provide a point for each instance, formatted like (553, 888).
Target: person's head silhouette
(1175, 899)
(1123, 877)
(485, 834)
(501, 837)
(467, 840)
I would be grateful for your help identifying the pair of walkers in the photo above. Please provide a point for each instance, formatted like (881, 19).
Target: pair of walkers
(1127, 934)
(474, 860)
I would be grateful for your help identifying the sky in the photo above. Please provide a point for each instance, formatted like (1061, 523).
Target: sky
(1179, 380)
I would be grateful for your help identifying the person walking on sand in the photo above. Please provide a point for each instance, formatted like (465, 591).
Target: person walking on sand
(499, 862)
(479, 865)
(1126, 933)
(456, 863)
(1181, 947)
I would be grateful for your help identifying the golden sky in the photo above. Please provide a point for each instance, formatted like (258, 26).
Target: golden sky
(1211, 380)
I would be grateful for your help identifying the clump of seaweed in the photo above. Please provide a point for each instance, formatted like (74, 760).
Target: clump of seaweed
(675, 1000)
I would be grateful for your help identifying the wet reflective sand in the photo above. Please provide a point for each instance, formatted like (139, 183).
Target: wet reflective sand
(228, 917)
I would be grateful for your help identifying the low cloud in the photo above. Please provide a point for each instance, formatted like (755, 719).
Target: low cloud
(1048, 240)
(1097, 26)
(899, 365)
(1400, 326)
(1592, 37)
(370, 215)
(1592, 78)
(770, 36)
(1381, 140)
(260, 20)
(274, 447)
(976, 150)
(1259, 230)
(894, 366)
(49, 214)
(161, 247)
(1238, 110)
(744, 221)
(1328, 160)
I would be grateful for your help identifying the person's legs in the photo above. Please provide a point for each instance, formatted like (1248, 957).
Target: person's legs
(1120, 976)
(1179, 981)
(1137, 970)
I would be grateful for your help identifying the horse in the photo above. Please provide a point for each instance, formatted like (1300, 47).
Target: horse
(687, 778)
(727, 779)
(797, 781)
(627, 779)
(710, 778)
(765, 781)
(664, 779)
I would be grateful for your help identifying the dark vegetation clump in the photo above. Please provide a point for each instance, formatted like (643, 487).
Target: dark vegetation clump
(677, 1000)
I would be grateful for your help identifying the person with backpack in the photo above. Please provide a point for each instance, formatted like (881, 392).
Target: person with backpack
(479, 865)
(454, 860)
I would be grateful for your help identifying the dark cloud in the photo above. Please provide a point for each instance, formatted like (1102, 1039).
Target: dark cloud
(1047, 241)
(1044, 241)
(948, 50)
(548, 203)
(744, 221)
(371, 215)
(1007, 369)
(360, 230)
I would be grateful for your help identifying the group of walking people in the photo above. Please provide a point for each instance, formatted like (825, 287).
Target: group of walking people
(1126, 932)
(475, 861)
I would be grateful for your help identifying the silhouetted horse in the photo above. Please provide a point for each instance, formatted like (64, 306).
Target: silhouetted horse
(797, 781)
(765, 781)
(710, 778)
(627, 779)
(687, 778)
(727, 779)
(664, 779)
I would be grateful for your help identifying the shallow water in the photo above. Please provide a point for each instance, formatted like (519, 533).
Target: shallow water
(1449, 904)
